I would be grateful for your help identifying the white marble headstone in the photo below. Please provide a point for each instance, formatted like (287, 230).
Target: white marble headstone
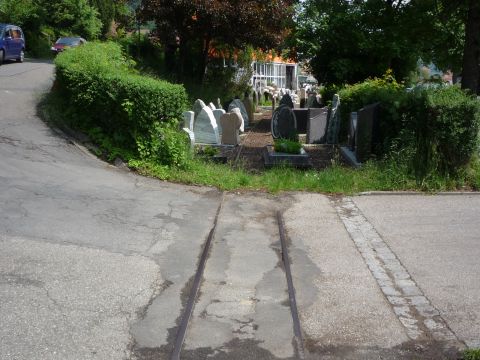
(188, 118)
(191, 136)
(198, 106)
(218, 114)
(205, 127)
(212, 106)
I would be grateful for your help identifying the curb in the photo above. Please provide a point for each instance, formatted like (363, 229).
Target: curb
(456, 193)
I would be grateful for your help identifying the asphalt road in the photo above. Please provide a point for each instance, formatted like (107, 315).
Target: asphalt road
(98, 263)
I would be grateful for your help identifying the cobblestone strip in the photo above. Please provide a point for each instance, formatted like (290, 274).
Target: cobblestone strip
(421, 320)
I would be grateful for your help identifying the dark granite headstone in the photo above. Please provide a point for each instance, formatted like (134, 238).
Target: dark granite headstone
(302, 118)
(286, 100)
(352, 129)
(312, 101)
(317, 125)
(284, 123)
(334, 121)
(363, 137)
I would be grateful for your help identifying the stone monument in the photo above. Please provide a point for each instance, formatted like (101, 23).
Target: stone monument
(286, 100)
(218, 114)
(284, 123)
(188, 119)
(317, 125)
(205, 127)
(237, 103)
(334, 121)
(242, 126)
(198, 106)
(231, 123)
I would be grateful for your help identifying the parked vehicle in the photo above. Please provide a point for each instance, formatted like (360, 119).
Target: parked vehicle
(12, 43)
(67, 42)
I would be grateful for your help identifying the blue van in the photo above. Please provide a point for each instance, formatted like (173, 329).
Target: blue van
(12, 43)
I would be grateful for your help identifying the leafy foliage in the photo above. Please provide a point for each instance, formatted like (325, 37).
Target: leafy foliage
(136, 112)
(385, 90)
(189, 30)
(287, 146)
(349, 41)
(444, 122)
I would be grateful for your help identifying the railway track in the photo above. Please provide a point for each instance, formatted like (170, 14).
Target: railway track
(196, 288)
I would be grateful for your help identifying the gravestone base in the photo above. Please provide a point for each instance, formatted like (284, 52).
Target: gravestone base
(272, 158)
(349, 157)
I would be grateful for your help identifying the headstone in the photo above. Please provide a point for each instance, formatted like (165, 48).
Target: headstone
(312, 101)
(218, 114)
(317, 125)
(303, 97)
(366, 118)
(334, 121)
(188, 119)
(212, 106)
(231, 123)
(219, 104)
(248, 103)
(191, 136)
(352, 129)
(205, 127)
(301, 115)
(198, 106)
(303, 93)
(284, 123)
(239, 113)
(237, 103)
(286, 100)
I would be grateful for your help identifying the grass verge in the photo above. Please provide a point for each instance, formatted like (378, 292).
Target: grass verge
(471, 354)
(337, 179)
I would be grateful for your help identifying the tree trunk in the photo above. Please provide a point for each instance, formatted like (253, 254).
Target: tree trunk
(471, 53)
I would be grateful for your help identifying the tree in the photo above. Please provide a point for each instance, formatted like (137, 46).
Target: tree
(471, 54)
(188, 29)
(106, 13)
(348, 41)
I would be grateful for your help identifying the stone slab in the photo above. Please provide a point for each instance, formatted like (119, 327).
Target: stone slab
(272, 158)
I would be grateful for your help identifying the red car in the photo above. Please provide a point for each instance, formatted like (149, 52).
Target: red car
(67, 42)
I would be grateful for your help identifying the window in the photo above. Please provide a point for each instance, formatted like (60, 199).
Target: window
(16, 34)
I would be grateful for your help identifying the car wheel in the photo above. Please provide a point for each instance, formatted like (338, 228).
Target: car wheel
(1, 57)
(21, 58)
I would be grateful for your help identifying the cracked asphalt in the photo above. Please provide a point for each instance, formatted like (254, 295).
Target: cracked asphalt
(98, 263)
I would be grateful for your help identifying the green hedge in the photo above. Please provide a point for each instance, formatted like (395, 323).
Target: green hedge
(104, 92)
(391, 96)
(433, 129)
(444, 123)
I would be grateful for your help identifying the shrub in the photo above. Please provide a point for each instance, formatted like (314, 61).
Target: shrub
(287, 146)
(385, 90)
(444, 124)
(102, 90)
